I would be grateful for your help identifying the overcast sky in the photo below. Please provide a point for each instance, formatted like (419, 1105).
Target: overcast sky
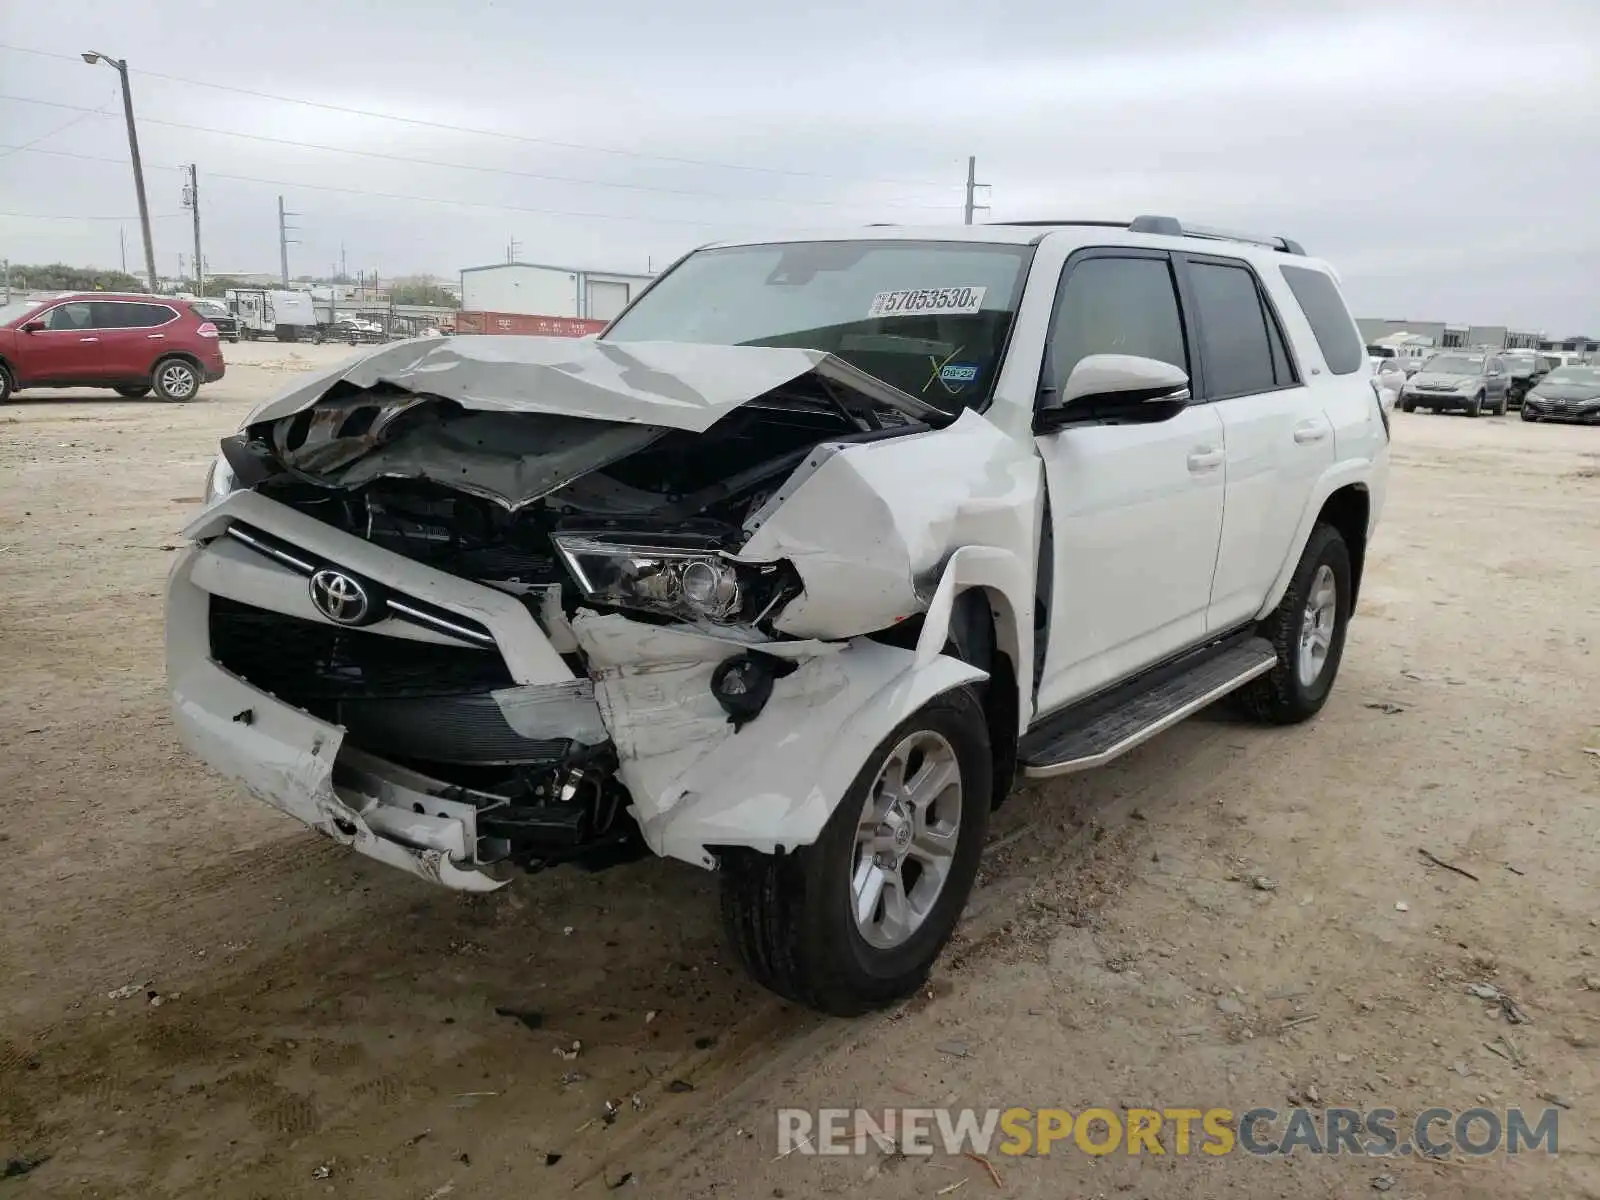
(1444, 156)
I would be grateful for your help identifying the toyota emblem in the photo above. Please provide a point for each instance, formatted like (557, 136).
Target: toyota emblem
(340, 598)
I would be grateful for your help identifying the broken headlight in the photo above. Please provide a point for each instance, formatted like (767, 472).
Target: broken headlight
(689, 583)
(220, 480)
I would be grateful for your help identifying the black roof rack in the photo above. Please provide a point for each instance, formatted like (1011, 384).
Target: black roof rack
(1172, 227)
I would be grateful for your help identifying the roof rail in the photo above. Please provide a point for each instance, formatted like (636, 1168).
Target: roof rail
(1172, 227)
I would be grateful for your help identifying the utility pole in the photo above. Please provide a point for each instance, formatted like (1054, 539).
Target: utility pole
(121, 67)
(972, 191)
(513, 248)
(284, 242)
(191, 200)
(342, 271)
(6, 266)
(122, 242)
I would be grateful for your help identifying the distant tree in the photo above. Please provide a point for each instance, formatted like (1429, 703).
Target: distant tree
(417, 290)
(58, 277)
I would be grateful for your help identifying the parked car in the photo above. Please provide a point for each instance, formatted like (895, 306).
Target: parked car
(1526, 368)
(756, 579)
(1565, 394)
(1456, 379)
(219, 315)
(129, 343)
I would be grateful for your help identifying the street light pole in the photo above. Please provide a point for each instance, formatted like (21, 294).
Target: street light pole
(121, 66)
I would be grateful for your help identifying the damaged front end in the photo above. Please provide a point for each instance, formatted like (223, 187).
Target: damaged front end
(463, 607)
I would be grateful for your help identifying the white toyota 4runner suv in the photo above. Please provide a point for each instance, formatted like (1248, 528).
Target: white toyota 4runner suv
(792, 570)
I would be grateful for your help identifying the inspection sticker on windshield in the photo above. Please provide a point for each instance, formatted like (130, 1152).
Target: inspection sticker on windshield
(927, 302)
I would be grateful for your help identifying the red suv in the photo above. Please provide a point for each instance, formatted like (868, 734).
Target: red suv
(132, 344)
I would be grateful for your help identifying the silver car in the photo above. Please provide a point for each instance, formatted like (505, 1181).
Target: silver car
(1459, 379)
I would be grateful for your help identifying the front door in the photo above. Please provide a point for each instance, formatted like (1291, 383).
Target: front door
(66, 351)
(1135, 511)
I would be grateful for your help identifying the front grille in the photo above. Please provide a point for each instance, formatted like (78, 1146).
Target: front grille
(307, 660)
(412, 701)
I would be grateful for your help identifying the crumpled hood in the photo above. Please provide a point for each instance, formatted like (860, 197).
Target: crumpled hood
(674, 385)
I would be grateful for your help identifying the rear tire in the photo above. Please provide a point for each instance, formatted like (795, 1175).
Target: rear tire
(134, 393)
(176, 379)
(792, 917)
(1298, 686)
(1408, 406)
(1500, 408)
(7, 384)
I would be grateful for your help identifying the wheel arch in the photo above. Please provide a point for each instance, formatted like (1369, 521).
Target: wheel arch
(1344, 500)
(187, 356)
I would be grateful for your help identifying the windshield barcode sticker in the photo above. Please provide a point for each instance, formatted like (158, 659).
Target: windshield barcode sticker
(927, 301)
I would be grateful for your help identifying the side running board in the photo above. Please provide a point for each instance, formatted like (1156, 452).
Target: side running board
(1085, 737)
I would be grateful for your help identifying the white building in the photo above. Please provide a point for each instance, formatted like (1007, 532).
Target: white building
(536, 289)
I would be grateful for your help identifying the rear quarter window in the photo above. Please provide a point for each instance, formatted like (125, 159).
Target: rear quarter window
(1331, 322)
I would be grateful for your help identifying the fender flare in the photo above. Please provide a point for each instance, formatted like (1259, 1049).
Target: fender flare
(1008, 583)
(775, 784)
(1340, 475)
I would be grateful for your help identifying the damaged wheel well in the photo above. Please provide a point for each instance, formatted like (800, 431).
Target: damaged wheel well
(982, 632)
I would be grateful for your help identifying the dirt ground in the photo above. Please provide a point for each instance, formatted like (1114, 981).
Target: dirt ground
(305, 1023)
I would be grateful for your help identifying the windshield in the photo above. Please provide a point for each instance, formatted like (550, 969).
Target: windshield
(18, 308)
(1453, 364)
(1583, 375)
(930, 318)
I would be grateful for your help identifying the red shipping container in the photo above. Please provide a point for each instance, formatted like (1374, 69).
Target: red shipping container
(527, 325)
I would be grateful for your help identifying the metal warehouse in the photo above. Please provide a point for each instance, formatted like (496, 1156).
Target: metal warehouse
(538, 289)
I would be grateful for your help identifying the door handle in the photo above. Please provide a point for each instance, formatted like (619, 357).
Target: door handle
(88, 339)
(1206, 458)
(156, 337)
(1309, 431)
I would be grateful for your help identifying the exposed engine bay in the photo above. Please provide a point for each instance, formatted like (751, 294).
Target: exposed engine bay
(571, 516)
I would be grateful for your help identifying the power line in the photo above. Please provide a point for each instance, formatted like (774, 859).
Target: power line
(429, 162)
(83, 115)
(72, 217)
(495, 133)
(324, 187)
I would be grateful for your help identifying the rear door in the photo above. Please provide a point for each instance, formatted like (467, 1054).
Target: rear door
(132, 334)
(1278, 440)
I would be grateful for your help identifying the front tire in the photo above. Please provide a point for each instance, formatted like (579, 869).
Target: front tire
(1307, 630)
(134, 393)
(1526, 415)
(855, 921)
(1408, 406)
(175, 379)
(1475, 405)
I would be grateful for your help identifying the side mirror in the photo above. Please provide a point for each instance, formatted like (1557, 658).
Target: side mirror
(31, 326)
(1115, 388)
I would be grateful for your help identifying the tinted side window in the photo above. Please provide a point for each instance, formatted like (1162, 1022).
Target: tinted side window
(112, 314)
(1233, 331)
(1116, 306)
(1330, 320)
(78, 315)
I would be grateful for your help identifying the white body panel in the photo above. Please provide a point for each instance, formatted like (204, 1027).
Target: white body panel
(1124, 498)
